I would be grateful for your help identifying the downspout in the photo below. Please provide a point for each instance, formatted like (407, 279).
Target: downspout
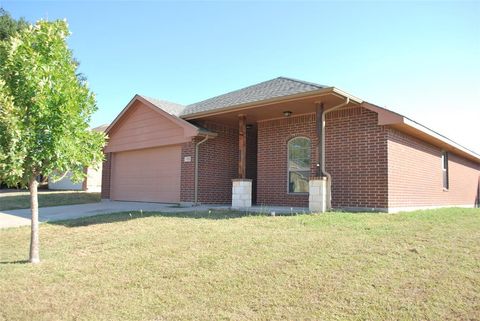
(323, 172)
(196, 168)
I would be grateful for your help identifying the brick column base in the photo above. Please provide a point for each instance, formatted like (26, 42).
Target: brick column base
(241, 193)
(318, 194)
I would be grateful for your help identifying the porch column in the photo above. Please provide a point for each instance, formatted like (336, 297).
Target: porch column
(318, 194)
(242, 187)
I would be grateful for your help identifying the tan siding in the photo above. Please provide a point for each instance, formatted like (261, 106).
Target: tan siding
(142, 127)
(149, 175)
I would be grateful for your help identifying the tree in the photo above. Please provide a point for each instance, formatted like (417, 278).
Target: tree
(9, 26)
(44, 113)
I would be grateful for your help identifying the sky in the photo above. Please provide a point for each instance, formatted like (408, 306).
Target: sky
(420, 59)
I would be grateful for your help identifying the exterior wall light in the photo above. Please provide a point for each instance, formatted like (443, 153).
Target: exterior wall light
(287, 113)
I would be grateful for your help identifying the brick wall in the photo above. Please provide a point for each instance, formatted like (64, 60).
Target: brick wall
(356, 157)
(251, 172)
(106, 174)
(415, 175)
(187, 182)
(218, 165)
(272, 158)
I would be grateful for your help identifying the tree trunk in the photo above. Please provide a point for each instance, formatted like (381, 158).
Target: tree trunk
(34, 239)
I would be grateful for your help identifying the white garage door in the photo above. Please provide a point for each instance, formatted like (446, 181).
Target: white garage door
(147, 175)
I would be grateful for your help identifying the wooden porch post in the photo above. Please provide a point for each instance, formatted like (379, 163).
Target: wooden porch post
(242, 146)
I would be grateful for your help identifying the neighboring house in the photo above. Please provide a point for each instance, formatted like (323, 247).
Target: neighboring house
(265, 145)
(92, 183)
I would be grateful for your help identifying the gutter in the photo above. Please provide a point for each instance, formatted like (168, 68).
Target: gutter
(323, 172)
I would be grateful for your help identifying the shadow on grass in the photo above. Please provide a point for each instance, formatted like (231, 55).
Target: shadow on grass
(127, 216)
(15, 262)
(12, 200)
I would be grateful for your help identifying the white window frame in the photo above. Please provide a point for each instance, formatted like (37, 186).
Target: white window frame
(445, 172)
(288, 164)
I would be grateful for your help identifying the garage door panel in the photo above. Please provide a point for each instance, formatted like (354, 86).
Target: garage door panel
(150, 175)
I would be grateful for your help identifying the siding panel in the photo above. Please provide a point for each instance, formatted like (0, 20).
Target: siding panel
(142, 127)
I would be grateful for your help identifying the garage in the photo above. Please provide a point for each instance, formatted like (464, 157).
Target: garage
(143, 157)
(147, 175)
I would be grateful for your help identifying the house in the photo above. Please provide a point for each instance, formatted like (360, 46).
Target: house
(92, 183)
(284, 142)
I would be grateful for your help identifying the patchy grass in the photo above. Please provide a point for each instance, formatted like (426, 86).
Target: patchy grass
(218, 266)
(12, 201)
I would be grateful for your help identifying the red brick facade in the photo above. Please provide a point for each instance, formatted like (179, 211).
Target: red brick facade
(106, 176)
(187, 180)
(372, 166)
(218, 165)
(356, 157)
(273, 136)
(415, 175)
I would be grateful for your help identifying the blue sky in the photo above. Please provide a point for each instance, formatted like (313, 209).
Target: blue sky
(421, 59)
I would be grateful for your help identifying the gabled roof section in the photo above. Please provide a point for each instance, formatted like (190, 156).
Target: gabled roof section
(168, 106)
(269, 89)
(101, 128)
(158, 106)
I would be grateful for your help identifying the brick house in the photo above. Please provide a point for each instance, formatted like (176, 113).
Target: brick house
(284, 142)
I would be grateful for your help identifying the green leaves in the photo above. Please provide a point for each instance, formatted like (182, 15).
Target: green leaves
(44, 107)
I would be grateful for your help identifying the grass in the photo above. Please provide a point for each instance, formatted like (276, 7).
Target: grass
(220, 266)
(15, 201)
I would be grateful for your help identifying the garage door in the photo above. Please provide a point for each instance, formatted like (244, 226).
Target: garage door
(147, 175)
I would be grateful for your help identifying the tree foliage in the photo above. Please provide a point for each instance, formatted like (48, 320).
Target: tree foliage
(9, 26)
(44, 107)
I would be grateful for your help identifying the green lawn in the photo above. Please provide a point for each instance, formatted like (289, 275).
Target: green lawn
(220, 266)
(12, 201)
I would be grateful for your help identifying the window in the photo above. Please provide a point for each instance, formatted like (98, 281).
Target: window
(445, 170)
(298, 164)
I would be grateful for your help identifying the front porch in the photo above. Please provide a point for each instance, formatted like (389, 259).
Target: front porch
(274, 156)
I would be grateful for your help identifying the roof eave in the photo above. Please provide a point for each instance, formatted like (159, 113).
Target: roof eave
(452, 146)
(323, 91)
(389, 118)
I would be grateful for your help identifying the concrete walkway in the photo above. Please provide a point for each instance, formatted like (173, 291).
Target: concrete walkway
(15, 218)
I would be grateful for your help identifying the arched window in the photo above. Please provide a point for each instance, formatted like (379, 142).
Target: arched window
(298, 164)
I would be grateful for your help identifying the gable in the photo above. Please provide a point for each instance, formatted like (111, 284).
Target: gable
(141, 126)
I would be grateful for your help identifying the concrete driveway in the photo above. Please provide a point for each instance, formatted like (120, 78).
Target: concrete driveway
(15, 218)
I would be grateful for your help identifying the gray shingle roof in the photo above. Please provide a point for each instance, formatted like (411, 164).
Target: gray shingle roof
(100, 128)
(273, 88)
(168, 106)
